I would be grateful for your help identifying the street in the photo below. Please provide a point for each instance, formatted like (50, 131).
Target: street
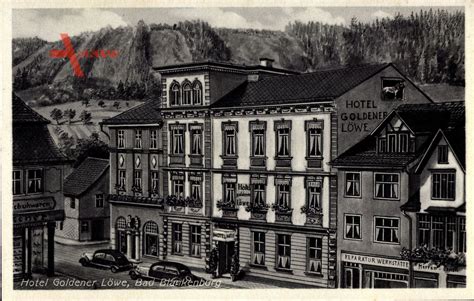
(70, 274)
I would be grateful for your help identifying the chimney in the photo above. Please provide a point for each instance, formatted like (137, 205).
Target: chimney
(266, 62)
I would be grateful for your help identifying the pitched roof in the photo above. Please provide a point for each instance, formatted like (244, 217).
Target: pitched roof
(320, 85)
(32, 142)
(149, 112)
(21, 112)
(424, 119)
(84, 176)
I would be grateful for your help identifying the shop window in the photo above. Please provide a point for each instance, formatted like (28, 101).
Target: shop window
(389, 280)
(425, 281)
(195, 241)
(387, 230)
(16, 182)
(138, 138)
(35, 180)
(352, 277)
(175, 94)
(442, 154)
(197, 92)
(153, 139)
(456, 281)
(352, 227)
(84, 227)
(99, 200)
(187, 92)
(386, 186)
(177, 238)
(393, 89)
(352, 184)
(120, 138)
(443, 185)
(315, 255)
(258, 254)
(283, 251)
(150, 239)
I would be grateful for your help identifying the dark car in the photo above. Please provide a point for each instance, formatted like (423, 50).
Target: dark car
(107, 259)
(165, 270)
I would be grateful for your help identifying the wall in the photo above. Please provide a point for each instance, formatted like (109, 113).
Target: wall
(222, 83)
(367, 99)
(166, 81)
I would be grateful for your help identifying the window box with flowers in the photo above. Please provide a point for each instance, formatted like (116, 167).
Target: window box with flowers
(228, 208)
(119, 187)
(258, 211)
(194, 205)
(314, 215)
(175, 203)
(137, 189)
(283, 213)
(451, 260)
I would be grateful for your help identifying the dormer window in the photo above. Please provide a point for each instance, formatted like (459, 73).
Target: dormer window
(393, 88)
(442, 154)
(395, 142)
(197, 93)
(187, 93)
(175, 94)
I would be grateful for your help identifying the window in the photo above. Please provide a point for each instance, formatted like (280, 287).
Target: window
(150, 239)
(283, 195)
(138, 138)
(196, 190)
(177, 238)
(195, 241)
(392, 143)
(257, 129)
(174, 94)
(258, 194)
(35, 181)
(61, 225)
(258, 257)
(352, 184)
(153, 139)
(99, 200)
(137, 179)
(178, 188)
(230, 140)
(392, 89)
(197, 92)
(315, 254)
(72, 203)
(121, 138)
(122, 178)
(283, 251)
(386, 230)
(314, 194)
(314, 143)
(443, 232)
(283, 139)
(403, 143)
(229, 192)
(187, 91)
(443, 185)
(352, 227)
(84, 227)
(386, 186)
(442, 154)
(16, 182)
(382, 145)
(196, 142)
(177, 141)
(154, 181)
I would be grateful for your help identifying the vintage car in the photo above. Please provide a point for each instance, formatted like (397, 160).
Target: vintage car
(164, 270)
(106, 259)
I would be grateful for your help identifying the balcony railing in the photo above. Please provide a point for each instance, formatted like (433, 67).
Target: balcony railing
(228, 208)
(178, 204)
(140, 200)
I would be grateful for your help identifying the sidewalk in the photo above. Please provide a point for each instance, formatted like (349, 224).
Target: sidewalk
(70, 242)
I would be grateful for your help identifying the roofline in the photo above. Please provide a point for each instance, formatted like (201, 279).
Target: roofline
(129, 124)
(429, 148)
(386, 119)
(325, 101)
(92, 184)
(176, 68)
(411, 82)
(399, 167)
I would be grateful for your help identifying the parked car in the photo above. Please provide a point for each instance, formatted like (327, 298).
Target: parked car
(164, 270)
(108, 259)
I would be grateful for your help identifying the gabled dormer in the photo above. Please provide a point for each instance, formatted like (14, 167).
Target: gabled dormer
(395, 136)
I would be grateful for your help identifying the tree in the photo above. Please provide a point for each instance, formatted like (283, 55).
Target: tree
(66, 145)
(91, 147)
(116, 105)
(86, 117)
(120, 89)
(70, 114)
(56, 114)
(101, 104)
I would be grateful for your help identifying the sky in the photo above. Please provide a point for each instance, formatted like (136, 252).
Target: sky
(49, 23)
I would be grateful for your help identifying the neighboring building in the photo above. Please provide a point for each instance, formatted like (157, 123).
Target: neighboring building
(136, 181)
(38, 170)
(402, 188)
(274, 194)
(85, 205)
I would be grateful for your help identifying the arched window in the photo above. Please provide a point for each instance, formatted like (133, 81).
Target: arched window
(174, 94)
(187, 93)
(121, 235)
(197, 92)
(150, 239)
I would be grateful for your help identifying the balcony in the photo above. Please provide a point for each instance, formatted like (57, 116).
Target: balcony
(314, 215)
(179, 205)
(136, 200)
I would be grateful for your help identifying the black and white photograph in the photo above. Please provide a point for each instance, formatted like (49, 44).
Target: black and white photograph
(242, 147)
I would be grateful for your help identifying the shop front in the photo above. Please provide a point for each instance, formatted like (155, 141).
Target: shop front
(364, 271)
(431, 275)
(225, 240)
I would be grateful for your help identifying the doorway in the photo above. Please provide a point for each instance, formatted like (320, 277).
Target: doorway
(97, 230)
(226, 250)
